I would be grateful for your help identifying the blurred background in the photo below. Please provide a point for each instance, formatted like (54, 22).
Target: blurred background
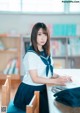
(17, 18)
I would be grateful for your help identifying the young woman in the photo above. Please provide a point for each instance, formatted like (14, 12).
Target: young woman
(38, 65)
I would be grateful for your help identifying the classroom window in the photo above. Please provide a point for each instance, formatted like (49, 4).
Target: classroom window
(10, 5)
(42, 6)
(75, 6)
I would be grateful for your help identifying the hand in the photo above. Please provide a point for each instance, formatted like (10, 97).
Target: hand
(62, 80)
(55, 76)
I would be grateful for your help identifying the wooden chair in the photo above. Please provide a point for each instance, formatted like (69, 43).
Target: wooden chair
(33, 106)
(6, 89)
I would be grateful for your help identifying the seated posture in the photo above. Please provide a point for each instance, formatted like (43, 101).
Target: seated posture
(9, 105)
(38, 70)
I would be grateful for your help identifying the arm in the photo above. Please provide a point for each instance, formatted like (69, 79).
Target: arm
(49, 81)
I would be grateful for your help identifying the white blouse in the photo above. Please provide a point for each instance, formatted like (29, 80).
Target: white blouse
(32, 61)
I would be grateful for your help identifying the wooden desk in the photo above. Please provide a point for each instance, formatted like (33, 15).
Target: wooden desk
(56, 107)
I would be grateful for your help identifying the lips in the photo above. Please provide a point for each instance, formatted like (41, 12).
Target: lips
(42, 42)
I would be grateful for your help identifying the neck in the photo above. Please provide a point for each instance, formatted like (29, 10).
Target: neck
(40, 48)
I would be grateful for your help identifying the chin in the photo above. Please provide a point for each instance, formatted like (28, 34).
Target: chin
(42, 44)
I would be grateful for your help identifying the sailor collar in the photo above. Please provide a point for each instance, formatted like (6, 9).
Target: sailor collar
(45, 60)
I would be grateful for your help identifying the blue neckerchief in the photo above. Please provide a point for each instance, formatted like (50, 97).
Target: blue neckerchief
(46, 61)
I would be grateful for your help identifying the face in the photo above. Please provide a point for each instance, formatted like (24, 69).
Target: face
(41, 38)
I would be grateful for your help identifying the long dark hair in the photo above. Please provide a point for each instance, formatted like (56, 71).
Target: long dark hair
(34, 33)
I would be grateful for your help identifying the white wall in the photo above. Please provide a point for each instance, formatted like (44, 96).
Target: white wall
(21, 22)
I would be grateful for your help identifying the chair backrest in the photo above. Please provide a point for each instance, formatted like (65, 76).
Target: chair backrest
(6, 88)
(33, 106)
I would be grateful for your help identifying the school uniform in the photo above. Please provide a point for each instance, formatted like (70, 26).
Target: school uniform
(43, 64)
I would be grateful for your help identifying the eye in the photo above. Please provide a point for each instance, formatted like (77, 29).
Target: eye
(45, 34)
(39, 34)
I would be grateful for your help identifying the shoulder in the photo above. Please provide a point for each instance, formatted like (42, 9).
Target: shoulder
(33, 54)
(30, 55)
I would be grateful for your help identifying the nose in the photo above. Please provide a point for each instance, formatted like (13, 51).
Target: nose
(43, 35)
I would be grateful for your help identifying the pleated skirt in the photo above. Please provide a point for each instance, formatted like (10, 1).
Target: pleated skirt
(25, 93)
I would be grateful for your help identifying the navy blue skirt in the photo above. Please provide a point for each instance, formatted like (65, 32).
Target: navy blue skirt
(25, 93)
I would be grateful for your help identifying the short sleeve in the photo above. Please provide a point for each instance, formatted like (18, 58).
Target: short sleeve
(30, 61)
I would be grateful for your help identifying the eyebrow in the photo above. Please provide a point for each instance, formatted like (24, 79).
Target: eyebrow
(40, 32)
